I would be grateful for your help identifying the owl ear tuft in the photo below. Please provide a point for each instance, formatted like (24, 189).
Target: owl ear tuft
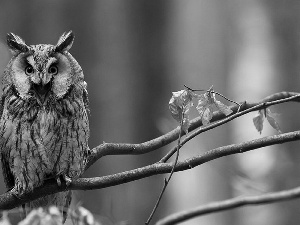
(16, 44)
(65, 42)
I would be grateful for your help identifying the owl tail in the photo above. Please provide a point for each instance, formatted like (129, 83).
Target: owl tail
(61, 200)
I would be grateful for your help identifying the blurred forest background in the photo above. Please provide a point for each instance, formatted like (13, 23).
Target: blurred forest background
(134, 53)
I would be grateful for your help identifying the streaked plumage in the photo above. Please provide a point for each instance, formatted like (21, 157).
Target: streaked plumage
(44, 126)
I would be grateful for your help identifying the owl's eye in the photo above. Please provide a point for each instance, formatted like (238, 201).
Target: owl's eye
(53, 70)
(29, 70)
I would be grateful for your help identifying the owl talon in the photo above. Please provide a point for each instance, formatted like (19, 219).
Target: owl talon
(65, 178)
(68, 180)
(17, 192)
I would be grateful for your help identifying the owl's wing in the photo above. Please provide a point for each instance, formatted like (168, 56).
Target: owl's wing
(7, 174)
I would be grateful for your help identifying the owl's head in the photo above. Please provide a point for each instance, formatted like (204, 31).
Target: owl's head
(40, 71)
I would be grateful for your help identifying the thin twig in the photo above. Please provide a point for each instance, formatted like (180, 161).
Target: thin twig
(230, 204)
(223, 96)
(170, 175)
(192, 89)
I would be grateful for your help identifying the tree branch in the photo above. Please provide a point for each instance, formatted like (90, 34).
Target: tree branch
(149, 146)
(230, 204)
(8, 200)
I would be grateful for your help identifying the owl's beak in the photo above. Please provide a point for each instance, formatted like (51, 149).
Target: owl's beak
(41, 90)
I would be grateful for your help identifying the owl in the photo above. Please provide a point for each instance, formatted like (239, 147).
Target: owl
(44, 126)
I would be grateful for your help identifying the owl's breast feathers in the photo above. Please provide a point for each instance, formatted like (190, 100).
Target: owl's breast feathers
(41, 141)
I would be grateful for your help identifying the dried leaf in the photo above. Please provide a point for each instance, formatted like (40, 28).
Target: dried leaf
(272, 121)
(175, 110)
(223, 108)
(204, 108)
(179, 106)
(258, 121)
(185, 125)
(205, 114)
(202, 99)
(182, 98)
(205, 103)
(181, 102)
